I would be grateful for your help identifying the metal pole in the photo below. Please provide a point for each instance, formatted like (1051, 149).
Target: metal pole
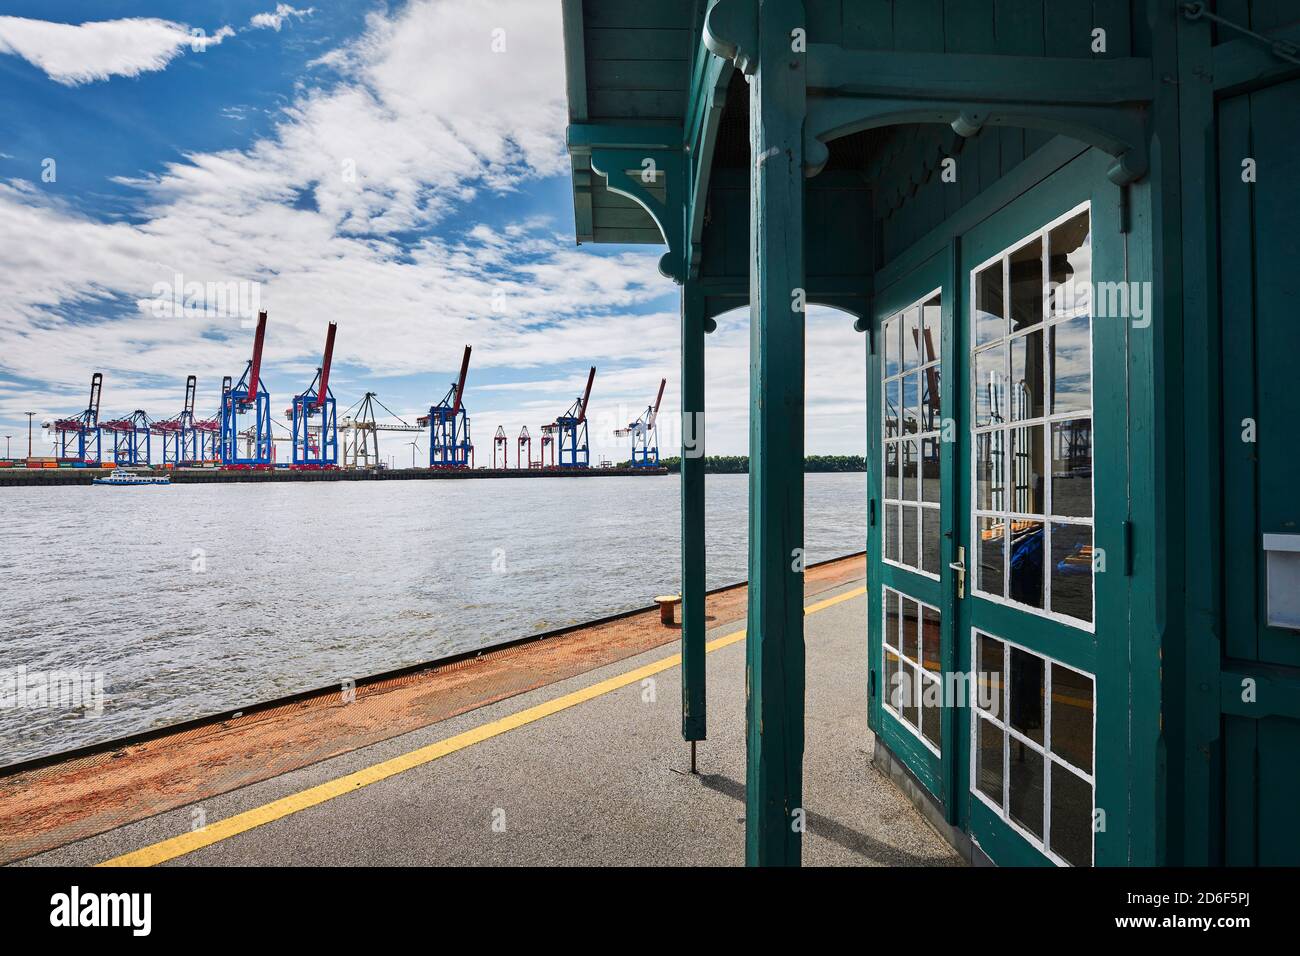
(774, 646)
(694, 725)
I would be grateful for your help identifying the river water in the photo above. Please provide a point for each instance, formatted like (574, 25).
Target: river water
(194, 599)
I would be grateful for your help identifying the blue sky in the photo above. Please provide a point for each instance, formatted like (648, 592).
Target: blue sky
(378, 165)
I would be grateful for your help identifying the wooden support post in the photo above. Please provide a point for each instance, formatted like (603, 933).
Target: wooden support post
(692, 489)
(774, 647)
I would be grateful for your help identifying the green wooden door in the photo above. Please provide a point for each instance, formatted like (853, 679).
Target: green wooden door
(1041, 623)
(1260, 307)
(911, 519)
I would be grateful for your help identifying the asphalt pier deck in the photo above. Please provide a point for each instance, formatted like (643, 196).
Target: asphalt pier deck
(586, 768)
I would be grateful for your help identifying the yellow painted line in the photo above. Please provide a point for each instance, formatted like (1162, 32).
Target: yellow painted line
(176, 846)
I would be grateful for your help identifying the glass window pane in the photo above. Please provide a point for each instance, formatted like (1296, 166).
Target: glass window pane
(991, 471)
(991, 387)
(1025, 790)
(1071, 817)
(931, 386)
(891, 471)
(911, 631)
(892, 619)
(1072, 468)
(911, 404)
(930, 540)
(1072, 717)
(930, 640)
(991, 558)
(1026, 272)
(1027, 376)
(893, 408)
(911, 537)
(911, 336)
(990, 665)
(912, 700)
(930, 469)
(988, 761)
(1070, 267)
(1027, 694)
(1071, 373)
(890, 331)
(1025, 583)
(931, 321)
(893, 527)
(989, 311)
(893, 693)
(932, 712)
(910, 464)
(1027, 470)
(1072, 570)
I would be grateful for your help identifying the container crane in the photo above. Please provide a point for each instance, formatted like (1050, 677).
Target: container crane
(500, 441)
(316, 445)
(548, 441)
(645, 441)
(449, 442)
(80, 438)
(248, 396)
(524, 449)
(130, 438)
(571, 429)
(180, 437)
(361, 432)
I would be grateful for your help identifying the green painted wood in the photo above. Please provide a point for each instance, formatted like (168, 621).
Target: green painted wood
(869, 24)
(919, 26)
(693, 516)
(774, 648)
(1019, 26)
(1067, 28)
(1196, 746)
(968, 26)
(637, 75)
(1242, 65)
(638, 15)
(636, 104)
(618, 44)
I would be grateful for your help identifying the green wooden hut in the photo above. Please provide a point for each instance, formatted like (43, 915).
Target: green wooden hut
(1067, 233)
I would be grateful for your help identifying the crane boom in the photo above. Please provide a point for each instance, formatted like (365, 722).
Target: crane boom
(654, 412)
(325, 365)
(582, 410)
(255, 367)
(460, 382)
(191, 387)
(96, 384)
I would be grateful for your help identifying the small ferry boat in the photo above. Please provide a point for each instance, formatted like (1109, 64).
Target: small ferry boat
(127, 478)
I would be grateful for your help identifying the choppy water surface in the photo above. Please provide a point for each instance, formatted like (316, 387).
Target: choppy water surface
(194, 599)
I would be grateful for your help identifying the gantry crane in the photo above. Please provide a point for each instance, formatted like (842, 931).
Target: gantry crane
(316, 445)
(361, 432)
(571, 430)
(179, 434)
(448, 423)
(247, 396)
(82, 432)
(501, 442)
(524, 449)
(645, 441)
(130, 438)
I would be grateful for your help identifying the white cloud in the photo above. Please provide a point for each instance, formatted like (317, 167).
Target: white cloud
(429, 118)
(275, 19)
(73, 54)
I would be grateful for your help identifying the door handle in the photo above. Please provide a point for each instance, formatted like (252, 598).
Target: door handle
(960, 567)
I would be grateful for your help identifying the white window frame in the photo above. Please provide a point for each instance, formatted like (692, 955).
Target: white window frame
(1003, 723)
(1006, 515)
(896, 645)
(895, 503)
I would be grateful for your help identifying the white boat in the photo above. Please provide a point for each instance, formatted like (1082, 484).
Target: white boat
(127, 478)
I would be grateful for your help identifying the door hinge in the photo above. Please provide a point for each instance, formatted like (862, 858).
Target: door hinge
(871, 683)
(871, 512)
(1128, 548)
